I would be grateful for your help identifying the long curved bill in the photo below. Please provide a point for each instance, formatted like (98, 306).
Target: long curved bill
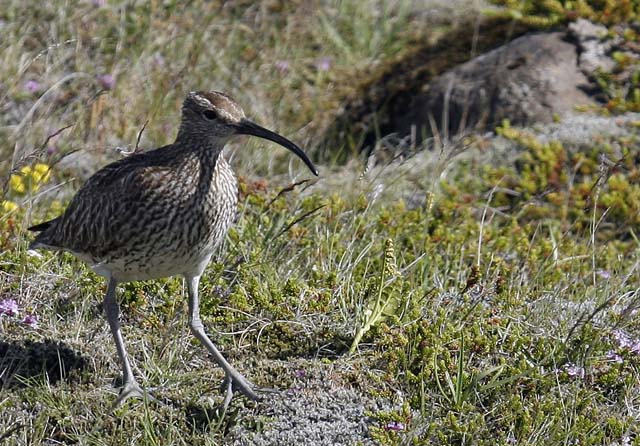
(246, 127)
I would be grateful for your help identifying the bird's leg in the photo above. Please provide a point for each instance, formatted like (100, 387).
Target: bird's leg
(233, 379)
(130, 387)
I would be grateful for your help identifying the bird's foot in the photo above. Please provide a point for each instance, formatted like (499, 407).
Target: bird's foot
(132, 389)
(240, 384)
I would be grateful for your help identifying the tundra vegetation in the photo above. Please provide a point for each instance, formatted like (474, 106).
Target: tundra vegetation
(486, 289)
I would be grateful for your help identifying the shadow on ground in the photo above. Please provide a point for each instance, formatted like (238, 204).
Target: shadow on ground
(25, 361)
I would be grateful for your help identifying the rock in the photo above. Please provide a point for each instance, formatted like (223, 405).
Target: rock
(380, 97)
(585, 129)
(594, 47)
(597, 45)
(528, 80)
(533, 78)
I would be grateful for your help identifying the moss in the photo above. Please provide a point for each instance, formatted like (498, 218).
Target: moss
(551, 12)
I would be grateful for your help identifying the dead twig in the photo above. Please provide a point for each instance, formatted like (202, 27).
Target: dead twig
(285, 190)
(144, 126)
(298, 220)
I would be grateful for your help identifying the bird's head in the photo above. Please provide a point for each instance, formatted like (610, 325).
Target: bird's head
(216, 116)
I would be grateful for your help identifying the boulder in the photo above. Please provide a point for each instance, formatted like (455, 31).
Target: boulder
(528, 80)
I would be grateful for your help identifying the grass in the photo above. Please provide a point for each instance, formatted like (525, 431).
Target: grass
(275, 59)
(488, 296)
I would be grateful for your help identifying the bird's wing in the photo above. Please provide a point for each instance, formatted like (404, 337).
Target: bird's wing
(112, 199)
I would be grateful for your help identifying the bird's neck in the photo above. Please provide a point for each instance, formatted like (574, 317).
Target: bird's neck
(200, 159)
(208, 150)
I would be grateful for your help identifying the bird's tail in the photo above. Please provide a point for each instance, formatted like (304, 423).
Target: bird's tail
(42, 239)
(43, 226)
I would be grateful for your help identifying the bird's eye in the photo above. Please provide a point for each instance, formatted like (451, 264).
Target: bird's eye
(209, 114)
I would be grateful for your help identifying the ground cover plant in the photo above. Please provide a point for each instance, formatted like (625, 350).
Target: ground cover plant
(481, 291)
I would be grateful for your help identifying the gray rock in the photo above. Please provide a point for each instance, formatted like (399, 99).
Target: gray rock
(582, 129)
(528, 80)
(594, 46)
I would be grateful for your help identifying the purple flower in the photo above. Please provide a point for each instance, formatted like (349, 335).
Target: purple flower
(31, 320)
(9, 307)
(32, 87)
(614, 357)
(301, 373)
(323, 64)
(574, 370)
(603, 273)
(282, 65)
(622, 339)
(626, 342)
(157, 60)
(395, 426)
(107, 81)
(51, 149)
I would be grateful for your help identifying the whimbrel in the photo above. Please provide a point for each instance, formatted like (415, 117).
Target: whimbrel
(162, 213)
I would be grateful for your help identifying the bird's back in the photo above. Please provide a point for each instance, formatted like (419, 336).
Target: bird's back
(150, 215)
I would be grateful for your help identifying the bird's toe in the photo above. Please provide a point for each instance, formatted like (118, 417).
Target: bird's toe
(239, 384)
(133, 390)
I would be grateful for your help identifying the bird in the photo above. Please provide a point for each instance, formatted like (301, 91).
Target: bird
(162, 213)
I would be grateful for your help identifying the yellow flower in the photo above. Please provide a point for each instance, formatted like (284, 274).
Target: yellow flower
(40, 173)
(29, 179)
(41, 168)
(17, 184)
(8, 206)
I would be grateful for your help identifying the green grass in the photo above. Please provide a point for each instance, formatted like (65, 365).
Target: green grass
(275, 60)
(489, 296)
